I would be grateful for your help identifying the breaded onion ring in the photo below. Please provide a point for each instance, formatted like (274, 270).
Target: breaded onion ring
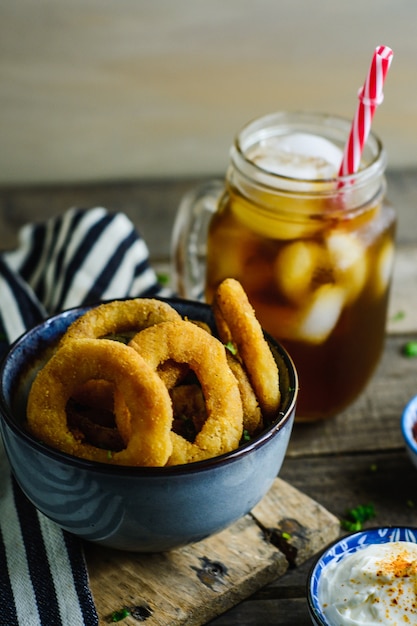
(120, 316)
(185, 342)
(252, 415)
(236, 322)
(127, 316)
(143, 391)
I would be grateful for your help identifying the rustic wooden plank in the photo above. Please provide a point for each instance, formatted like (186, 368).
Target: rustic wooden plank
(191, 585)
(402, 313)
(305, 522)
(357, 457)
(273, 612)
(385, 479)
(152, 204)
(187, 586)
(372, 422)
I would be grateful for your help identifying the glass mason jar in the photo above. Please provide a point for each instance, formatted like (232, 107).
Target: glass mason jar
(314, 255)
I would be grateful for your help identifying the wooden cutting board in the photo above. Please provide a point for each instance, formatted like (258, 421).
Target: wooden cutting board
(194, 584)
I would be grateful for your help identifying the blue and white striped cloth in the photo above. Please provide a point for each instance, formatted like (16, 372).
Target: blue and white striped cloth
(81, 257)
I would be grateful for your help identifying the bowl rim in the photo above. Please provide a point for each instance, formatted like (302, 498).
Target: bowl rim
(385, 534)
(408, 419)
(123, 470)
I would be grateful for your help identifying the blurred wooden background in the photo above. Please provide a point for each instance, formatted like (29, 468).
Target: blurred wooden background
(98, 90)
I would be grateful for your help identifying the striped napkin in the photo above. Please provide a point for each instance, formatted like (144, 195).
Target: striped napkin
(81, 257)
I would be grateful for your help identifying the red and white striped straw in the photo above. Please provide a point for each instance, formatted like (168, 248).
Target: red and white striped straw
(370, 96)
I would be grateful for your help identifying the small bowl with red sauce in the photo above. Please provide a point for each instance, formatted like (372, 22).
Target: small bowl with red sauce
(409, 429)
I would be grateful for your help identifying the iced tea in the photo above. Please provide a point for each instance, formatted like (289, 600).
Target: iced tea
(313, 253)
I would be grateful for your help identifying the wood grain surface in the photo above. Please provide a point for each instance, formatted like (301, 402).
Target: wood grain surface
(191, 585)
(94, 90)
(356, 458)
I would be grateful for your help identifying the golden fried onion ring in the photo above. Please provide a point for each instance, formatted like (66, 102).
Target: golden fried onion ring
(252, 415)
(120, 316)
(124, 316)
(143, 391)
(185, 342)
(236, 322)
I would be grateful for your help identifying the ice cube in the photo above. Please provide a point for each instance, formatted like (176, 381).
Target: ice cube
(345, 249)
(312, 323)
(322, 314)
(294, 268)
(349, 262)
(299, 155)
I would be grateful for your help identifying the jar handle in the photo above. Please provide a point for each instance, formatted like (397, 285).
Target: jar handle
(189, 239)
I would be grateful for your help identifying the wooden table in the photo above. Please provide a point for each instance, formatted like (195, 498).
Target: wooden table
(357, 457)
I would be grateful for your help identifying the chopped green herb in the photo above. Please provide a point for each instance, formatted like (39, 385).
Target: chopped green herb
(117, 616)
(410, 349)
(231, 347)
(245, 436)
(400, 315)
(163, 279)
(286, 536)
(109, 454)
(354, 518)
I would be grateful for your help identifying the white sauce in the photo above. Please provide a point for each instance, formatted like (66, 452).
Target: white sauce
(375, 585)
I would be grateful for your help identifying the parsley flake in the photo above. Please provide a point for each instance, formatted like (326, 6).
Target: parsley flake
(400, 315)
(117, 616)
(163, 279)
(245, 435)
(354, 518)
(231, 347)
(410, 349)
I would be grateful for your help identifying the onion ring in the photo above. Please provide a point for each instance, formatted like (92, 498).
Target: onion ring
(252, 414)
(143, 391)
(120, 316)
(185, 342)
(127, 316)
(236, 322)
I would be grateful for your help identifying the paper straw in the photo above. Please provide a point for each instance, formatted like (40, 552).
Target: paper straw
(369, 96)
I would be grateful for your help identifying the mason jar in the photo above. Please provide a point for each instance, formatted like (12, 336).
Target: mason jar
(313, 251)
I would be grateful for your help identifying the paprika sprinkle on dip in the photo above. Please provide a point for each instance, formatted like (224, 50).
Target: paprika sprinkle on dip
(374, 585)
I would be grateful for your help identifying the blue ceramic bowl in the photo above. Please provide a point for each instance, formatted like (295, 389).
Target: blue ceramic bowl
(131, 508)
(408, 422)
(341, 548)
